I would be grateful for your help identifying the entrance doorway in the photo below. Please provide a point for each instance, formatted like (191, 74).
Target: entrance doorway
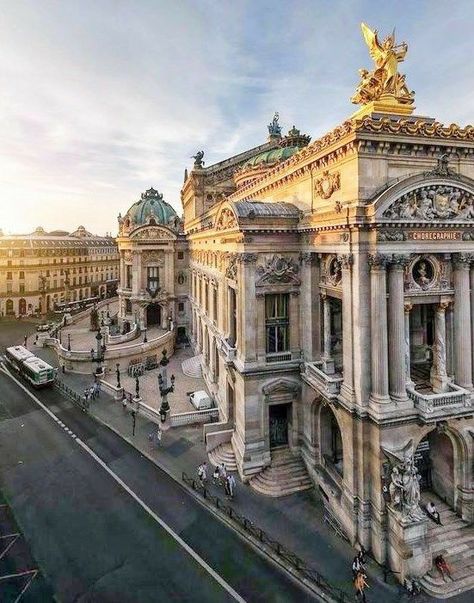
(434, 458)
(278, 416)
(153, 315)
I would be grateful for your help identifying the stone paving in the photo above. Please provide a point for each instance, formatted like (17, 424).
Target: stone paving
(149, 392)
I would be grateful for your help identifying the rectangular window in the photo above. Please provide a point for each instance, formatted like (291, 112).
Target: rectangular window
(153, 278)
(277, 323)
(9, 276)
(22, 274)
(22, 287)
(180, 255)
(180, 307)
(129, 276)
(9, 287)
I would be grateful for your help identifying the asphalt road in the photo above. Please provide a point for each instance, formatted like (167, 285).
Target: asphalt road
(93, 540)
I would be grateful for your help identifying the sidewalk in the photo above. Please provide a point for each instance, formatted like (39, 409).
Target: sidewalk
(295, 521)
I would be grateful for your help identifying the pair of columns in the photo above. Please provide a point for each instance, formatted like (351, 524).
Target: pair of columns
(390, 330)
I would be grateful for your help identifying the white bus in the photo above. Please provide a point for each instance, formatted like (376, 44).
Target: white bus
(38, 372)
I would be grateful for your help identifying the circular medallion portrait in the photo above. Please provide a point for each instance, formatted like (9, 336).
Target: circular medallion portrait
(423, 273)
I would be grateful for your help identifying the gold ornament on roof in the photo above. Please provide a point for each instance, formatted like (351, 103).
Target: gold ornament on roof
(384, 83)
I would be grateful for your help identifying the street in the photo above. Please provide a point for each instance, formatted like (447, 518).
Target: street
(96, 541)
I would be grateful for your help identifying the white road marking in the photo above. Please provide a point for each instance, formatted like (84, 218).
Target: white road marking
(129, 491)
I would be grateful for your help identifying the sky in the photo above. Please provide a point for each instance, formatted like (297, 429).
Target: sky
(102, 99)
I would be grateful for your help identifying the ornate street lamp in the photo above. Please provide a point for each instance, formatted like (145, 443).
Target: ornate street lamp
(118, 375)
(69, 342)
(144, 337)
(165, 389)
(42, 286)
(99, 356)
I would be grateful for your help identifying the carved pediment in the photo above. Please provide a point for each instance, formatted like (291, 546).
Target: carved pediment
(152, 233)
(278, 269)
(153, 257)
(281, 386)
(433, 203)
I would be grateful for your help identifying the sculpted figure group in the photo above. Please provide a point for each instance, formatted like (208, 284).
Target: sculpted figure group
(433, 203)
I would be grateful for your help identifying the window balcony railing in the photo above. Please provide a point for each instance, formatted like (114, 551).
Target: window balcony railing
(278, 357)
(432, 407)
(229, 351)
(327, 385)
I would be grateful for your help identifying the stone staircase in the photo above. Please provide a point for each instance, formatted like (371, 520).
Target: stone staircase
(286, 474)
(223, 454)
(192, 366)
(455, 541)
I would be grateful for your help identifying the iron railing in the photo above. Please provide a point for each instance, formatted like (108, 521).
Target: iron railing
(78, 399)
(304, 571)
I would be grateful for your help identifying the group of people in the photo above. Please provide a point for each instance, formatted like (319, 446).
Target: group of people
(359, 576)
(92, 392)
(220, 477)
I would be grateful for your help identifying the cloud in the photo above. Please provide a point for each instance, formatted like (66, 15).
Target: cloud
(99, 101)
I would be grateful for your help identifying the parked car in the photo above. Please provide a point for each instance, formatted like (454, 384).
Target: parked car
(44, 327)
(201, 400)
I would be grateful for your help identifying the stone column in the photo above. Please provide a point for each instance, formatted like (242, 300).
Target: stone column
(294, 316)
(261, 329)
(462, 322)
(247, 315)
(471, 274)
(396, 329)
(328, 361)
(309, 307)
(136, 276)
(347, 387)
(123, 276)
(407, 309)
(439, 376)
(450, 342)
(378, 315)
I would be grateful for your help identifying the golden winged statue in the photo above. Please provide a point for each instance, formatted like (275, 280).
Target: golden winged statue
(384, 81)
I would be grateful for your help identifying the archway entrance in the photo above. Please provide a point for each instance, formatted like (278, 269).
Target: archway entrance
(434, 459)
(22, 306)
(278, 417)
(153, 315)
(9, 306)
(331, 440)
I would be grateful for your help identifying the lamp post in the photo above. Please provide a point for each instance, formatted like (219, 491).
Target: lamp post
(136, 404)
(144, 337)
(42, 286)
(165, 389)
(99, 355)
(118, 375)
(69, 342)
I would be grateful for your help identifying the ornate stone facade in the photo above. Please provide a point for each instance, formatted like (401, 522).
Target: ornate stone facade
(353, 304)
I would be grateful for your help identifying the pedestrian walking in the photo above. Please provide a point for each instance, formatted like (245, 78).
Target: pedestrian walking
(223, 473)
(98, 387)
(36, 339)
(202, 473)
(227, 487)
(231, 484)
(25, 343)
(216, 476)
(360, 585)
(158, 436)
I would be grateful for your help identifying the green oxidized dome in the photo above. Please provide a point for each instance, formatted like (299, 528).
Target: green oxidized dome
(279, 154)
(152, 206)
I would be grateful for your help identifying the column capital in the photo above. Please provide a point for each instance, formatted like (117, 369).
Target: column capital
(443, 306)
(398, 261)
(462, 261)
(247, 258)
(378, 261)
(407, 307)
(346, 260)
(307, 257)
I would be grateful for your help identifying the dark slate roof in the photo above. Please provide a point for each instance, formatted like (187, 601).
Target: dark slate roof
(252, 209)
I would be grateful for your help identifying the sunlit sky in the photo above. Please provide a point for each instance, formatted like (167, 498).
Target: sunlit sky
(101, 99)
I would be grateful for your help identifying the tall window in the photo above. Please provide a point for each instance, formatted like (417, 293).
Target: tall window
(277, 322)
(129, 276)
(153, 278)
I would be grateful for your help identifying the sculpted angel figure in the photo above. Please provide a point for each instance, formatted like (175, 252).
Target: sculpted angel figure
(385, 79)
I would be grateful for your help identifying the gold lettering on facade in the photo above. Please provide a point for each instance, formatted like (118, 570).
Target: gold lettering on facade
(435, 235)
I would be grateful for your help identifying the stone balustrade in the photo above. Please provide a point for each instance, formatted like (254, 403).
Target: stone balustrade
(229, 351)
(432, 407)
(327, 385)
